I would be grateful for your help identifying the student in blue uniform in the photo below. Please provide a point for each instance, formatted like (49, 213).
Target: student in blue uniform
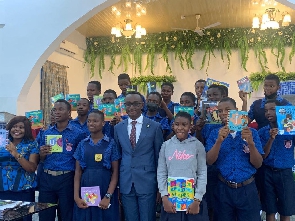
(109, 97)
(154, 100)
(271, 86)
(93, 89)
(199, 88)
(57, 178)
(237, 156)
(83, 107)
(278, 181)
(97, 165)
(18, 162)
(167, 90)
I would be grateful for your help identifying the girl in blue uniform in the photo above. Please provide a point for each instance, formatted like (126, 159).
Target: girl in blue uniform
(97, 165)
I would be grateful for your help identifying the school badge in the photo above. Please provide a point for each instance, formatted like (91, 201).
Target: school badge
(98, 157)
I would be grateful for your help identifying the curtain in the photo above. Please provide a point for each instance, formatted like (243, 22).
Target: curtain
(53, 81)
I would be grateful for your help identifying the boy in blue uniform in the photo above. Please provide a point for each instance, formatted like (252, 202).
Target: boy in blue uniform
(83, 107)
(199, 88)
(278, 183)
(271, 86)
(93, 89)
(167, 90)
(57, 179)
(237, 156)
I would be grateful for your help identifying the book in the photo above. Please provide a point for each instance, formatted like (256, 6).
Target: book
(120, 106)
(237, 120)
(91, 195)
(244, 84)
(209, 82)
(181, 192)
(286, 119)
(109, 111)
(189, 110)
(287, 88)
(132, 88)
(36, 119)
(210, 112)
(97, 100)
(73, 100)
(3, 137)
(57, 97)
(151, 87)
(56, 143)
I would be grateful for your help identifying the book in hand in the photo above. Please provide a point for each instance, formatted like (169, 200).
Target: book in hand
(286, 119)
(120, 106)
(91, 195)
(73, 100)
(151, 87)
(57, 97)
(210, 112)
(211, 81)
(36, 118)
(109, 111)
(189, 110)
(237, 120)
(132, 88)
(56, 143)
(3, 138)
(244, 84)
(97, 100)
(181, 192)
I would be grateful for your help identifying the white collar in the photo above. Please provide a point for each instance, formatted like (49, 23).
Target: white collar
(138, 120)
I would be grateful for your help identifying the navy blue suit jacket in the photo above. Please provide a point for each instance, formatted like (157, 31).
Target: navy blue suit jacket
(139, 165)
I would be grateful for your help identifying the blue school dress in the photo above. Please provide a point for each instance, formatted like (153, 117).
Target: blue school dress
(97, 172)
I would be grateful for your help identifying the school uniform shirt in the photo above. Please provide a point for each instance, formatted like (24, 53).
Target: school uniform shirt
(64, 161)
(76, 123)
(111, 153)
(281, 153)
(162, 120)
(13, 176)
(185, 158)
(256, 111)
(108, 129)
(233, 160)
(206, 130)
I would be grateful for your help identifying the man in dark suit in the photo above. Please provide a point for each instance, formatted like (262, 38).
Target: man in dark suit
(139, 140)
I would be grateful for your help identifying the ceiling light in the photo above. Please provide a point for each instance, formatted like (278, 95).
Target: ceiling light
(128, 31)
(287, 18)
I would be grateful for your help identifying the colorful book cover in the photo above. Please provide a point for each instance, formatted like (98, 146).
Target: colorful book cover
(189, 110)
(97, 100)
(55, 141)
(287, 88)
(286, 119)
(36, 119)
(73, 100)
(120, 106)
(109, 111)
(210, 81)
(210, 112)
(132, 88)
(3, 138)
(91, 195)
(151, 87)
(237, 120)
(244, 84)
(181, 192)
(57, 97)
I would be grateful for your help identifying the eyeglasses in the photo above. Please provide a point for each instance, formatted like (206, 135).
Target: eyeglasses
(134, 104)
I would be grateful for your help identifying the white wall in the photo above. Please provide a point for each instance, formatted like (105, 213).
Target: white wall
(33, 29)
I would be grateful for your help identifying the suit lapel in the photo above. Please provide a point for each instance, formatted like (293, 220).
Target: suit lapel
(143, 132)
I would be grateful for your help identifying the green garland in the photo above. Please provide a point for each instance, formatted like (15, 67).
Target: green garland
(142, 81)
(185, 43)
(258, 78)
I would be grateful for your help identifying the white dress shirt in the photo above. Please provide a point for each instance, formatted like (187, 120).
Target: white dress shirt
(138, 126)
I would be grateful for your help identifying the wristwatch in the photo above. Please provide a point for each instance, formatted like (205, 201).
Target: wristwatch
(108, 196)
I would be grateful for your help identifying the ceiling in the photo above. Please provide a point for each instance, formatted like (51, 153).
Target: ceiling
(163, 15)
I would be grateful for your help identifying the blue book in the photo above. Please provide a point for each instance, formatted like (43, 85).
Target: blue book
(286, 119)
(286, 88)
(151, 87)
(244, 84)
(211, 81)
(73, 100)
(237, 120)
(57, 97)
(210, 112)
(189, 110)
(3, 136)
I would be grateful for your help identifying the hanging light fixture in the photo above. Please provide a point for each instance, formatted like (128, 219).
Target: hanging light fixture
(127, 30)
(270, 19)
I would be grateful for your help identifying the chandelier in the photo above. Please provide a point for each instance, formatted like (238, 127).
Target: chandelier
(127, 30)
(129, 8)
(270, 19)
